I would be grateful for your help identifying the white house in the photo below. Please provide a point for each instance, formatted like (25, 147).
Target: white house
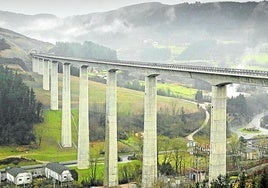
(58, 172)
(197, 175)
(19, 176)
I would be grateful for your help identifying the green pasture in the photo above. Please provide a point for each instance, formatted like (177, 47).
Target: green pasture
(48, 133)
(243, 130)
(261, 58)
(177, 90)
(128, 101)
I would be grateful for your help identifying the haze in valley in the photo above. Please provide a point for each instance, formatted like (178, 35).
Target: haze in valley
(166, 31)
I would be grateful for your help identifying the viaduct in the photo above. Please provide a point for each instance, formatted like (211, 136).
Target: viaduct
(47, 65)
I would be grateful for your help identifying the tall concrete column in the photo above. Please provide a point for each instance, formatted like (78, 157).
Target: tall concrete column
(33, 64)
(46, 75)
(111, 166)
(66, 132)
(40, 66)
(149, 165)
(217, 158)
(54, 95)
(83, 129)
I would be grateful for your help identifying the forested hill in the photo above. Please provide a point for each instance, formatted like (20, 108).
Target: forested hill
(174, 23)
(19, 109)
(15, 48)
(87, 50)
(235, 26)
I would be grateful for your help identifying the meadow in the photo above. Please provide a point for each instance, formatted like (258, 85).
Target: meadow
(49, 131)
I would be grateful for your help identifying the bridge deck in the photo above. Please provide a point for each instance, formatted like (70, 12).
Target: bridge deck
(161, 66)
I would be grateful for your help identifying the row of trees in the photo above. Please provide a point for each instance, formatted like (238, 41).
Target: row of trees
(19, 109)
(88, 50)
(18, 61)
(171, 121)
(4, 45)
(253, 181)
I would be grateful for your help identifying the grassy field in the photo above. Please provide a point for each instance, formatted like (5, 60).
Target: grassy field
(256, 61)
(178, 90)
(128, 100)
(48, 139)
(261, 58)
(251, 131)
(174, 50)
(48, 133)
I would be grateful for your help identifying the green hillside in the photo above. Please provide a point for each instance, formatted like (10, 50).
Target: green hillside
(20, 45)
(48, 133)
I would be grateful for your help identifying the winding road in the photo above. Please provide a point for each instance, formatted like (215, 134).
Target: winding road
(254, 123)
(205, 122)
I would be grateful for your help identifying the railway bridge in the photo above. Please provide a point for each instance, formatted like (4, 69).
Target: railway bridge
(47, 66)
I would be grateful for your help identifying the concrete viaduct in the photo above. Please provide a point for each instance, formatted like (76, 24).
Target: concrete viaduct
(218, 77)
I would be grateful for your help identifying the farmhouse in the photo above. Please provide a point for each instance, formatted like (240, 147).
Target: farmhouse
(197, 175)
(58, 172)
(19, 176)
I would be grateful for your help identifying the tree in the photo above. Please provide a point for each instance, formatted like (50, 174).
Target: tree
(199, 96)
(163, 145)
(19, 109)
(262, 147)
(234, 144)
(220, 182)
(242, 181)
(264, 180)
(95, 155)
(4, 45)
(88, 50)
(179, 151)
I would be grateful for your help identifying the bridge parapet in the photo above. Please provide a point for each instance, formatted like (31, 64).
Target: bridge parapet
(213, 75)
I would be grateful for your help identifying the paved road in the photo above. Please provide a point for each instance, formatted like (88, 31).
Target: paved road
(254, 123)
(205, 122)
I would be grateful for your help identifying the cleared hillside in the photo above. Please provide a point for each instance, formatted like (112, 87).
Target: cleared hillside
(17, 48)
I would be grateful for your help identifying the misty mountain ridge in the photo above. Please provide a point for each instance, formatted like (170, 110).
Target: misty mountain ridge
(130, 29)
(19, 46)
(15, 49)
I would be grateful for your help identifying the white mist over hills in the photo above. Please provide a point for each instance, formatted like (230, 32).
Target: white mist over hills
(63, 8)
(226, 29)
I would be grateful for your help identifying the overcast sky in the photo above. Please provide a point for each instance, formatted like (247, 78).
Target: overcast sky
(64, 8)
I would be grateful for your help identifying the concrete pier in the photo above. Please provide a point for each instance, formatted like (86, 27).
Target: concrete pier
(34, 64)
(217, 160)
(36, 60)
(83, 129)
(46, 75)
(149, 166)
(66, 132)
(54, 95)
(40, 66)
(111, 166)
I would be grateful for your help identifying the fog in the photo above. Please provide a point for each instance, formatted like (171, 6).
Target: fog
(226, 33)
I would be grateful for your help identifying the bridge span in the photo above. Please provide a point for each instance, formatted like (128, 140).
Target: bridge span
(47, 65)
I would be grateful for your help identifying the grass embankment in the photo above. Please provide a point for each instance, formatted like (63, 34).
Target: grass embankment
(175, 51)
(250, 130)
(49, 132)
(130, 101)
(48, 135)
(256, 61)
(173, 89)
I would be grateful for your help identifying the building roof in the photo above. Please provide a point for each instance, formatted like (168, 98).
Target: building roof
(15, 171)
(56, 167)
